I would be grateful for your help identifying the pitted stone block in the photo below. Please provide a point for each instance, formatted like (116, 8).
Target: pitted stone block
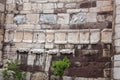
(106, 36)
(27, 36)
(94, 36)
(48, 19)
(60, 37)
(18, 36)
(84, 37)
(78, 18)
(91, 17)
(32, 18)
(27, 6)
(39, 36)
(73, 37)
(63, 18)
(19, 19)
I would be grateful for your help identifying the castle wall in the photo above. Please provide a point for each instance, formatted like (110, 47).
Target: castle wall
(80, 27)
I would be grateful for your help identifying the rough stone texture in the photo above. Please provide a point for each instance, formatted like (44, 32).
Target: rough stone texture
(116, 73)
(48, 19)
(19, 19)
(79, 18)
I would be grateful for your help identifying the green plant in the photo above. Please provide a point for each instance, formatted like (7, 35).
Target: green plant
(11, 70)
(60, 66)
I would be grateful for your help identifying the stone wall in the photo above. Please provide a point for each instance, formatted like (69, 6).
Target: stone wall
(45, 29)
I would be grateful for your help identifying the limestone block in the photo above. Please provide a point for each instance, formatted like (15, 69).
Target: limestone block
(6, 36)
(117, 42)
(19, 19)
(32, 18)
(107, 8)
(39, 1)
(116, 73)
(117, 20)
(25, 26)
(106, 53)
(34, 7)
(117, 49)
(9, 18)
(18, 36)
(104, 3)
(116, 63)
(31, 58)
(49, 45)
(48, 6)
(106, 36)
(84, 37)
(27, 6)
(52, 0)
(2, 7)
(76, 10)
(116, 57)
(9, 1)
(101, 18)
(117, 2)
(92, 17)
(60, 38)
(78, 18)
(48, 11)
(27, 36)
(10, 7)
(94, 36)
(48, 19)
(39, 37)
(73, 37)
(117, 9)
(63, 18)
(70, 5)
(94, 9)
(60, 5)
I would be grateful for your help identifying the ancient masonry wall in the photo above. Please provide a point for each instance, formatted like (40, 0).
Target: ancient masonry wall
(2, 20)
(45, 29)
(116, 58)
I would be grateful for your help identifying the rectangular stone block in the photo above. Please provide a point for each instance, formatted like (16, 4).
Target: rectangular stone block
(25, 26)
(116, 63)
(106, 36)
(107, 8)
(27, 36)
(116, 57)
(104, 3)
(116, 73)
(48, 6)
(10, 7)
(27, 6)
(18, 36)
(84, 37)
(92, 17)
(39, 37)
(63, 18)
(52, 0)
(39, 1)
(48, 19)
(60, 38)
(32, 18)
(70, 5)
(2, 7)
(73, 37)
(60, 5)
(76, 10)
(9, 18)
(117, 42)
(117, 49)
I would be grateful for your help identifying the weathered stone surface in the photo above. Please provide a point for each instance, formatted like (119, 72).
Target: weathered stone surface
(107, 8)
(27, 6)
(106, 53)
(19, 19)
(92, 17)
(77, 10)
(48, 62)
(106, 36)
(32, 18)
(117, 42)
(104, 3)
(48, 6)
(2, 7)
(116, 63)
(67, 78)
(39, 37)
(78, 18)
(117, 58)
(39, 1)
(10, 7)
(18, 36)
(73, 37)
(117, 49)
(48, 19)
(63, 18)
(27, 37)
(52, 0)
(60, 38)
(116, 73)
(117, 20)
(9, 18)
(70, 5)
(84, 37)
(94, 36)
(60, 5)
